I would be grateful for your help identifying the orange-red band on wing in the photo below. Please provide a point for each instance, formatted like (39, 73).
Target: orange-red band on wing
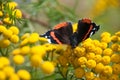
(88, 32)
(54, 37)
(63, 24)
(86, 20)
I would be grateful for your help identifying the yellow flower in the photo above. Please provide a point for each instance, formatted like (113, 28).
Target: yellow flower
(4, 61)
(107, 52)
(24, 50)
(98, 50)
(8, 20)
(2, 28)
(117, 33)
(34, 37)
(96, 78)
(14, 77)
(1, 13)
(79, 72)
(115, 47)
(2, 75)
(106, 60)
(63, 61)
(14, 39)
(107, 70)
(4, 43)
(7, 33)
(82, 61)
(114, 38)
(39, 50)
(103, 77)
(98, 58)
(91, 63)
(12, 5)
(43, 39)
(106, 39)
(90, 55)
(14, 29)
(105, 34)
(8, 70)
(116, 69)
(23, 74)
(26, 35)
(99, 68)
(45, 68)
(96, 43)
(114, 77)
(18, 59)
(16, 51)
(36, 60)
(103, 45)
(17, 13)
(115, 58)
(24, 42)
(79, 51)
(89, 75)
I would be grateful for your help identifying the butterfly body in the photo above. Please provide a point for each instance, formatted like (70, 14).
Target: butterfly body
(64, 33)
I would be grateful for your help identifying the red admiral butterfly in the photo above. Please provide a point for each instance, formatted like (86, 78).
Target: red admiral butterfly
(63, 33)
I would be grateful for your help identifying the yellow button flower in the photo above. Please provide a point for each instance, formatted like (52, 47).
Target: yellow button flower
(34, 37)
(107, 52)
(79, 72)
(17, 13)
(115, 58)
(8, 21)
(14, 77)
(117, 33)
(114, 38)
(91, 63)
(18, 59)
(12, 5)
(104, 34)
(24, 42)
(7, 33)
(25, 50)
(106, 60)
(36, 60)
(40, 50)
(5, 61)
(2, 28)
(115, 47)
(98, 58)
(82, 60)
(24, 75)
(24, 36)
(8, 70)
(96, 78)
(90, 55)
(79, 51)
(14, 39)
(103, 45)
(114, 77)
(16, 51)
(2, 75)
(89, 75)
(99, 68)
(4, 43)
(98, 51)
(116, 69)
(63, 61)
(14, 29)
(106, 39)
(45, 68)
(43, 39)
(107, 70)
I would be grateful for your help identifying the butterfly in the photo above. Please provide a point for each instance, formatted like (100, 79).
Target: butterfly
(67, 33)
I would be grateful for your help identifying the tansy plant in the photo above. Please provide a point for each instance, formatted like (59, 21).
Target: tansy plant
(30, 57)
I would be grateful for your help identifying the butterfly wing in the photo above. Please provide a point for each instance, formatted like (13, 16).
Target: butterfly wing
(62, 32)
(85, 29)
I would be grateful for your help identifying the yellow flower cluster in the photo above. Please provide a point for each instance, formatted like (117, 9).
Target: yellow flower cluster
(7, 11)
(94, 59)
(8, 72)
(8, 35)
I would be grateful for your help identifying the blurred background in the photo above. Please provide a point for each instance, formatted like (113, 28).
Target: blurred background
(42, 15)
